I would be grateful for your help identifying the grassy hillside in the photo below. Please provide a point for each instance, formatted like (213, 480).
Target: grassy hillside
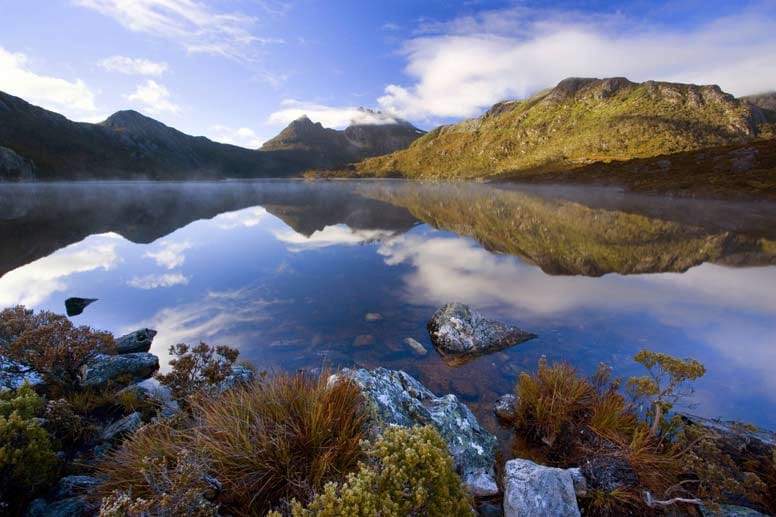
(579, 122)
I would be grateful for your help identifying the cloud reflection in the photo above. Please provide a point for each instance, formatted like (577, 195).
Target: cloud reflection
(335, 235)
(31, 284)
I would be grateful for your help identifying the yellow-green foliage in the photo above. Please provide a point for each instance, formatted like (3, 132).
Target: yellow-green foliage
(409, 473)
(667, 381)
(27, 461)
(51, 344)
(282, 437)
(570, 125)
(179, 488)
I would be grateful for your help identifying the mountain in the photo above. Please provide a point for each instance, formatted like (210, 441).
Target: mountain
(323, 147)
(38, 143)
(576, 123)
(765, 101)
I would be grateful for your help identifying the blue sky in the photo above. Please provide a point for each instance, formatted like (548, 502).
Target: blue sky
(240, 70)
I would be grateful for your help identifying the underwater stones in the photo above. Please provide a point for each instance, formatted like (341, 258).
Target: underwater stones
(103, 368)
(363, 340)
(398, 399)
(75, 306)
(533, 490)
(373, 316)
(415, 345)
(137, 341)
(506, 407)
(461, 335)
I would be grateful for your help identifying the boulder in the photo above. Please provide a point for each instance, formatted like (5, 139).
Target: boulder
(532, 490)
(121, 427)
(14, 374)
(103, 368)
(137, 341)
(70, 486)
(153, 390)
(506, 407)
(75, 306)
(240, 375)
(609, 473)
(461, 335)
(396, 398)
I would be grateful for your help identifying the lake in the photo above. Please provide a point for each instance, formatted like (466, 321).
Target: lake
(300, 275)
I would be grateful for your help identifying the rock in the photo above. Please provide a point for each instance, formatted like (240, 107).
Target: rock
(609, 473)
(398, 399)
(240, 375)
(532, 490)
(729, 510)
(363, 340)
(461, 335)
(416, 346)
(137, 341)
(104, 368)
(75, 306)
(14, 374)
(151, 389)
(735, 436)
(121, 427)
(70, 486)
(506, 407)
(70, 507)
(373, 316)
(15, 167)
(580, 483)
(488, 510)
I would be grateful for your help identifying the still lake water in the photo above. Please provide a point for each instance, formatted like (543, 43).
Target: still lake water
(287, 271)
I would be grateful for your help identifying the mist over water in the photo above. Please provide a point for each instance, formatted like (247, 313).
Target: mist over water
(286, 271)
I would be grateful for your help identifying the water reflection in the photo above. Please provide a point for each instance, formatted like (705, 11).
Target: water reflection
(288, 271)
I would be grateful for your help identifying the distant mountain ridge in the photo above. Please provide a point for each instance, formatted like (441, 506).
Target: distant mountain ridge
(354, 143)
(45, 145)
(579, 122)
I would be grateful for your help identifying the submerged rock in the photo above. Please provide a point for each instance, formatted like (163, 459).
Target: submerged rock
(416, 346)
(137, 341)
(532, 490)
(373, 316)
(506, 407)
(398, 399)
(460, 334)
(75, 306)
(102, 368)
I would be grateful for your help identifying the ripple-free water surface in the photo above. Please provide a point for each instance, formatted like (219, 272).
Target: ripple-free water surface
(287, 271)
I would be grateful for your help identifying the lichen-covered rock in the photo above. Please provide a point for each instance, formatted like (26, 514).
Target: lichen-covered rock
(137, 341)
(609, 473)
(729, 510)
(240, 375)
(103, 368)
(121, 427)
(14, 374)
(460, 334)
(506, 407)
(70, 486)
(153, 390)
(532, 490)
(398, 399)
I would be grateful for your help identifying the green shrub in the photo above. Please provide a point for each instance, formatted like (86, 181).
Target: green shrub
(279, 438)
(409, 473)
(52, 345)
(195, 368)
(27, 461)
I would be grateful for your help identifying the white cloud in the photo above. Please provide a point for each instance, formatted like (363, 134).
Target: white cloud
(154, 97)
(274, 79)
(329, 116)
(16, 78)
(391, 26)
(133, 66)
(459, 68)
(170, 254)
(34, 283)
(246, 218)
(155, 281)
(335, 235)
(243, 136)
(192, 24)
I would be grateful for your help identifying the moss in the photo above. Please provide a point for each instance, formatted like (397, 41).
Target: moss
(409, 472)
